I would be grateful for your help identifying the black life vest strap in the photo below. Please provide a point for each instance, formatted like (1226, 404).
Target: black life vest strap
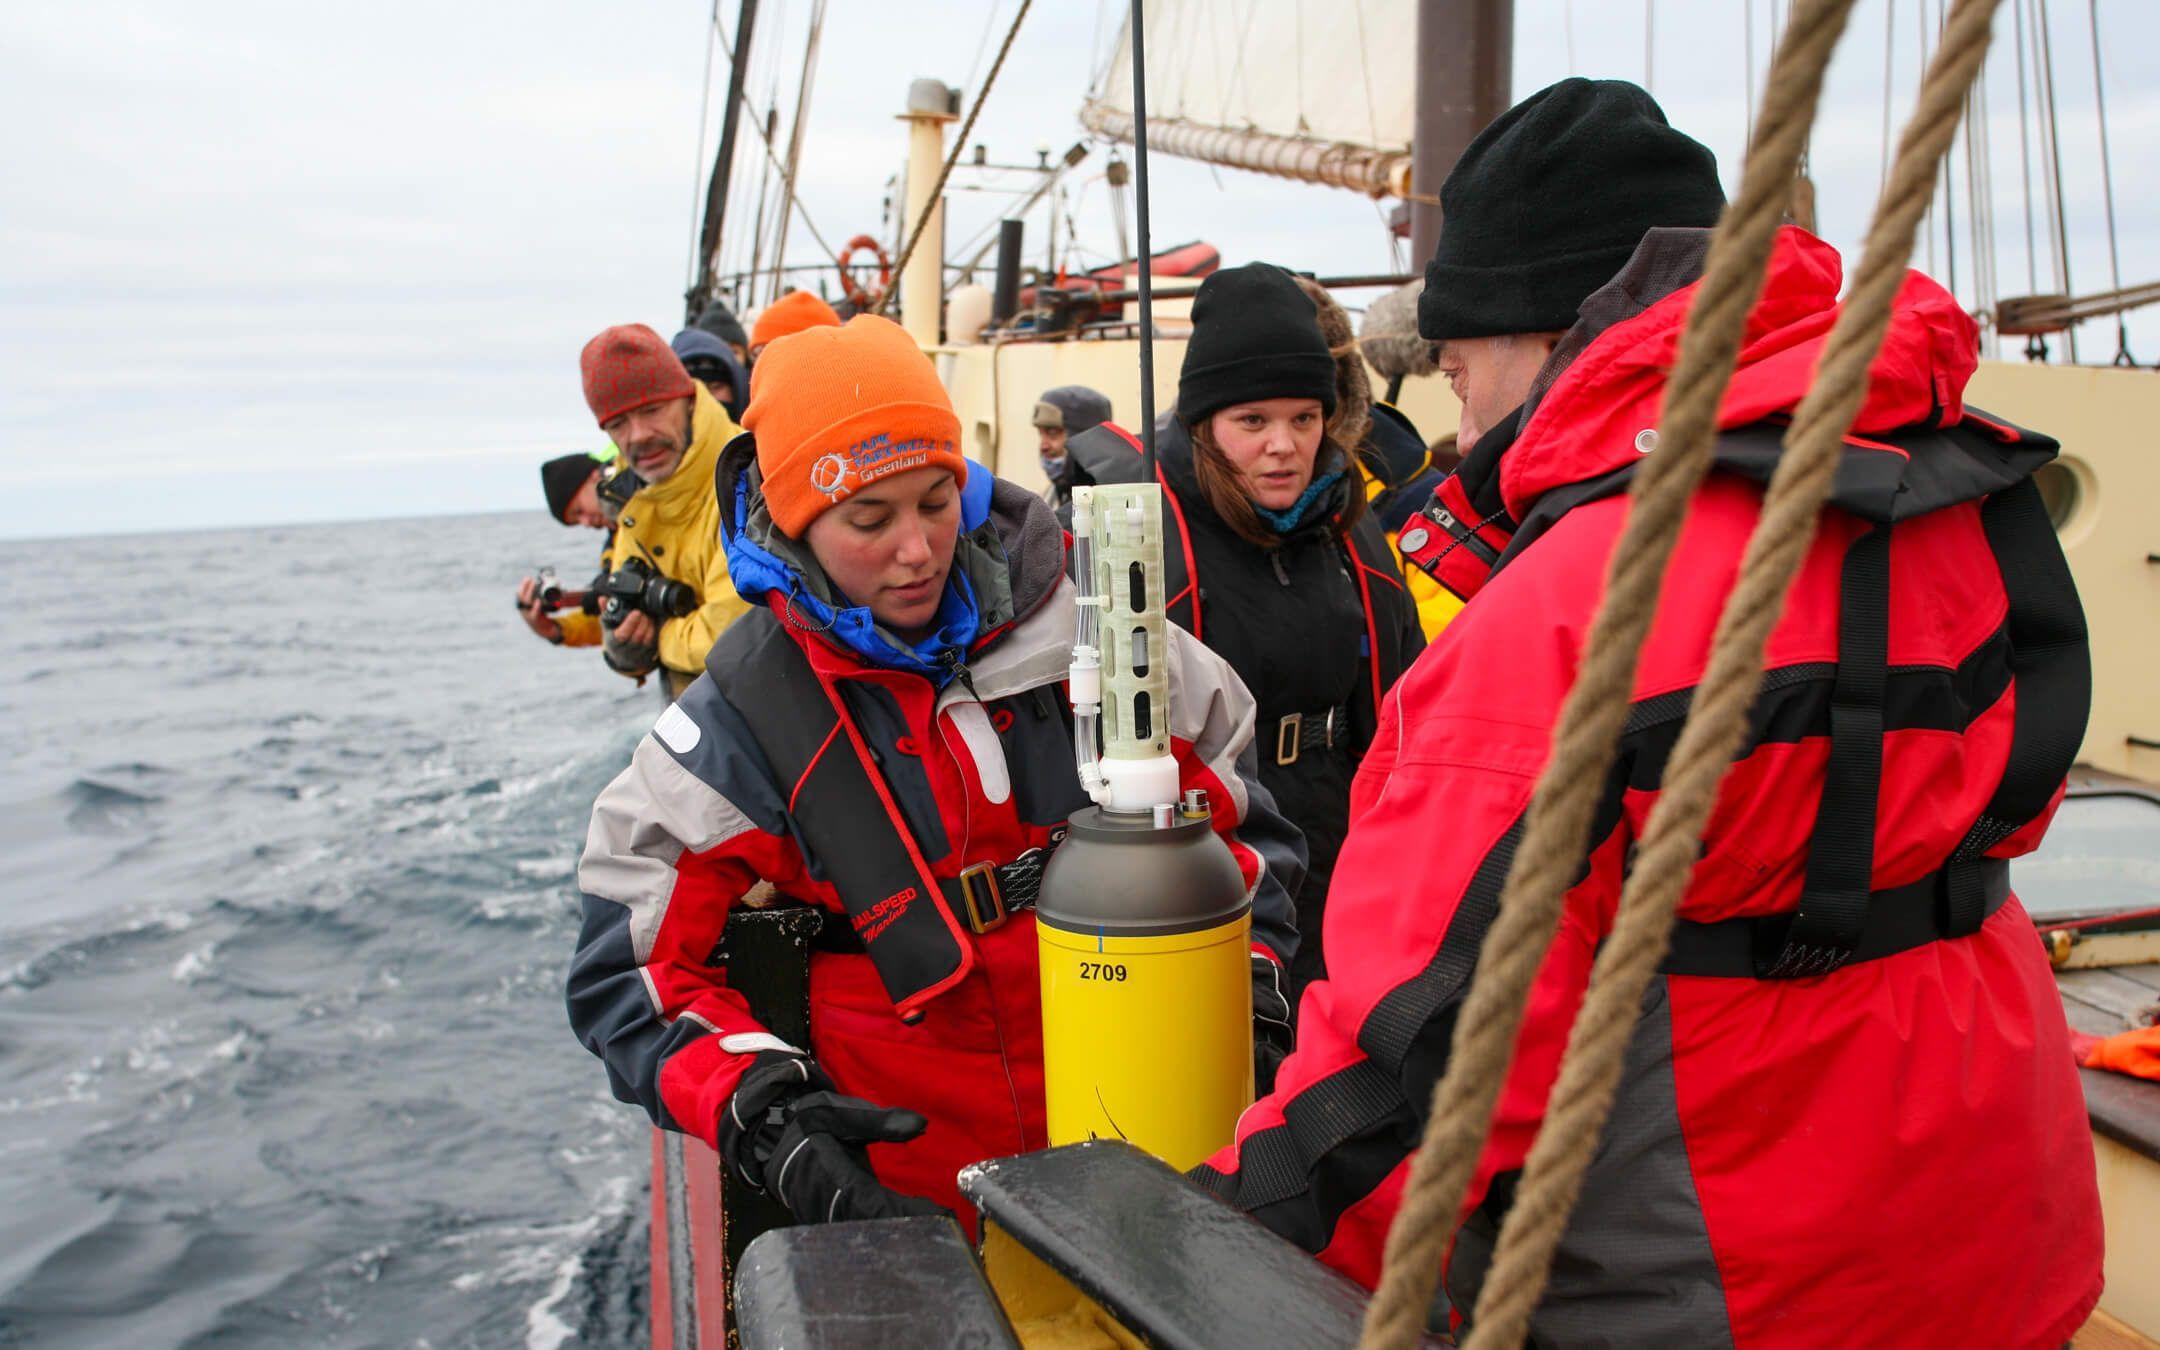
(2051, 672)
(898, 907)
(1841, 852)
(1896, 920)
(1839, 920)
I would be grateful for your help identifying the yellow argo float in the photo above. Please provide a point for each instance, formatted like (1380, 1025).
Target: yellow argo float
(1144, 921)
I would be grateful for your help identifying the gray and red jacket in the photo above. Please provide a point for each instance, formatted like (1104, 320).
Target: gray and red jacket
(978, 761)
(1881, 1144)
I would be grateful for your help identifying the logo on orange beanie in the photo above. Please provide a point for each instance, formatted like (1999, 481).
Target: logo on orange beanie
(836, 409)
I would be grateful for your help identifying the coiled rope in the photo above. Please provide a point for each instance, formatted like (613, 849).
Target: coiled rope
(1584, 744)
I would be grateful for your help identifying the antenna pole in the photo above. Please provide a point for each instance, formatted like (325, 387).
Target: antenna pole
(1147, 289)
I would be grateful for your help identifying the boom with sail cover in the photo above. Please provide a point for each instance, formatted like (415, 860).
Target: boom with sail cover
(1335, 105)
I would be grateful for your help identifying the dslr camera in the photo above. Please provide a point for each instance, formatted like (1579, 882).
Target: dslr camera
(637, 585)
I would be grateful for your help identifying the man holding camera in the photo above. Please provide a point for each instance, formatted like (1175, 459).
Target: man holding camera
(572, 484)
(667, 596)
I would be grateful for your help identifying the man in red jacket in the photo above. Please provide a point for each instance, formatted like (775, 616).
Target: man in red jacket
(1846, 1117)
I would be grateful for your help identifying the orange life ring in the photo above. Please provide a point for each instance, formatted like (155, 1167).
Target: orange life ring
(856, 295)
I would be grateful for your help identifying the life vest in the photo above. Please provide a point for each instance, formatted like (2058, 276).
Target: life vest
(913, 924)
(1464, 535)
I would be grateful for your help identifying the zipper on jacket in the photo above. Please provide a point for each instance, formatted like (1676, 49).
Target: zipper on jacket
(954, 667)
(1275, 558)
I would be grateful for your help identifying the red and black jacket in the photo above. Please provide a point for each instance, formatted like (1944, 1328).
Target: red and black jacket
(1846, 1115)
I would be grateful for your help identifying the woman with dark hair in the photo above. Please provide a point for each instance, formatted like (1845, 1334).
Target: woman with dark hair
(1277, 564)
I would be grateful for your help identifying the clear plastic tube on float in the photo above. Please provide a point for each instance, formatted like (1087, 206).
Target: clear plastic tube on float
(1119, 679)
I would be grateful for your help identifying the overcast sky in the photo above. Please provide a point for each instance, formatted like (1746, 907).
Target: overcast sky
(273, 262)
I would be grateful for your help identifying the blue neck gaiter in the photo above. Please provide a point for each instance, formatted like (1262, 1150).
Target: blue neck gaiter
(1283, 522)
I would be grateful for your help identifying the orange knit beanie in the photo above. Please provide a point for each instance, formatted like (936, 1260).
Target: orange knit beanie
(791, 313)
(836, 409)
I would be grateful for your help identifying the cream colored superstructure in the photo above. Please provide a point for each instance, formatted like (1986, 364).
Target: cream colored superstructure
(2107, 420)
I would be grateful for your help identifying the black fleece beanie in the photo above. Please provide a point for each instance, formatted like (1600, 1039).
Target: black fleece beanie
(1549, 202)
(561, 478)
(1255, 336)
(720, 321)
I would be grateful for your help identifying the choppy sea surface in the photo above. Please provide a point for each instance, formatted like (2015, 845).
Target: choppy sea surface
(288, 825)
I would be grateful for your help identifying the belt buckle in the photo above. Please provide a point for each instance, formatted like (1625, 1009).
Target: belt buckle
(980, 893)
(1287, 733)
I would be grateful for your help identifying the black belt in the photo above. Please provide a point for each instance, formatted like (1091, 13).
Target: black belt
(1295, 733)
(1897, 920)
(987, 894)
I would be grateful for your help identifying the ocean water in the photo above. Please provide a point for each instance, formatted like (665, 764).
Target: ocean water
(288, 827)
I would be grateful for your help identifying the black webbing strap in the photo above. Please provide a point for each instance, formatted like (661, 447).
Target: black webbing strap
(899, 910)
(1897, 920)
(2051, 670)
(1841, 853)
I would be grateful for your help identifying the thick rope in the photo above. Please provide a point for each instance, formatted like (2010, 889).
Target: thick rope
(937, 190)
(1556, 831)
(1666, 855)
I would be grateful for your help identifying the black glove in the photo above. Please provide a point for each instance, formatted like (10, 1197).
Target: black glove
(1271, 1032)
(786, 1131)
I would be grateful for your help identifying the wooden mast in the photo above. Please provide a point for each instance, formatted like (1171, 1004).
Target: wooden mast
(716, 190)
(1465, 56)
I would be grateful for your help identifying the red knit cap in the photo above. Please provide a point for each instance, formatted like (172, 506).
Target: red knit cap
(791, 313)
(836, 409)
(627, 367)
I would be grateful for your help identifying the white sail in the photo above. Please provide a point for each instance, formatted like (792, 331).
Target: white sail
(1323, 91)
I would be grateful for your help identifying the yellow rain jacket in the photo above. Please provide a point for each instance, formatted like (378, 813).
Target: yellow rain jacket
(675, 525)
(1398, 465)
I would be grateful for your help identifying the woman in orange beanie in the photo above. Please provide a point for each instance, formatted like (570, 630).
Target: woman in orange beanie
(887, 740)
(791, 313)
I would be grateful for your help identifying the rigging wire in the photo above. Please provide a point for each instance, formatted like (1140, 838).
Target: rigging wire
(2107, 186)
(1946, 196)
(1927, 221)
(2052, 126)
(2032, 253)
(937, 189)
(795, 139)
(1372, 114)
(1246, 28)
(761, 216)
(1979, 213)
(697, 169)
(772, 157)
(982, 44)
(1747, 65)
(1649, 49)
(1889, 49)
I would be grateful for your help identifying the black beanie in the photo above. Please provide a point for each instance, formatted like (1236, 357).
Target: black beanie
(1549, 202)
(720, 321)
(561, 478)
(1255, 336)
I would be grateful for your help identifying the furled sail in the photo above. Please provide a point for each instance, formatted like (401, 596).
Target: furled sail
(1322, 91)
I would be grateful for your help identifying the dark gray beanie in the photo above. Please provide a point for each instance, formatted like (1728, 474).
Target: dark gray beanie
(1550, 201)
